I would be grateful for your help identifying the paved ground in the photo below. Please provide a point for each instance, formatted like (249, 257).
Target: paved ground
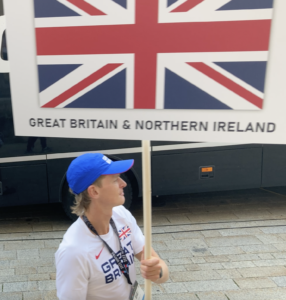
(218, 246)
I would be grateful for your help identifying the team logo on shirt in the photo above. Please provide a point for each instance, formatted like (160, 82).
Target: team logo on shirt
(124, 232)
(110, 268)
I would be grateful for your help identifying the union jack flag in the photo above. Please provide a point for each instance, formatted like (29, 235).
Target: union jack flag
(152, 54)
(124, 233)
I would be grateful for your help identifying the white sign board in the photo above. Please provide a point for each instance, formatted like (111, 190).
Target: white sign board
(149, 69)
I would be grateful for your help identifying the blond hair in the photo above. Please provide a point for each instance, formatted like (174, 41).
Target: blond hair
(82, 200)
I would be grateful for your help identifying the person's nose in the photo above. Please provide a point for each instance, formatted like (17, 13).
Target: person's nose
(123, 184)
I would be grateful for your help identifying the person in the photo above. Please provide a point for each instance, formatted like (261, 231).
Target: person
(95, 260)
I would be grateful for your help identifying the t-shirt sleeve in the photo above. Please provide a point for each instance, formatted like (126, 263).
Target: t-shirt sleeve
(72, 275)
(138, 239)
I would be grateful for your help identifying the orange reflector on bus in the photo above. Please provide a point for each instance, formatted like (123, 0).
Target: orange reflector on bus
(204, 170)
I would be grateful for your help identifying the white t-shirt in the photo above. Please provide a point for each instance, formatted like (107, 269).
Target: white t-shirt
(85, 267)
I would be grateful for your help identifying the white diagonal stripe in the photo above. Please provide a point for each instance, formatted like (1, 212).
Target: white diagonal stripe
(90, 64)
(73, 7)
(236, 80)
(207, 12)
(64, 84)
(109, 7)
(180, 59)
(209, 4)
(90, 87)
(211, 87)
(115, 15)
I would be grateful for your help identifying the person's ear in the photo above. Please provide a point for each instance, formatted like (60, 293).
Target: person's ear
(93, 191)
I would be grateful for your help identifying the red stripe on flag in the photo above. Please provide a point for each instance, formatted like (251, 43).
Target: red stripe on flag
(145, 38)
(229, 84)
(189, 4)
(159, 38)
(81, 85)
(86, 7)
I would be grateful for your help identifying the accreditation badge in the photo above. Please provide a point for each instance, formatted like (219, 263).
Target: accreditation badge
(136, 292)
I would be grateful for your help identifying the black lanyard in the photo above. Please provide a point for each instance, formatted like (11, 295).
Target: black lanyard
(124, 268)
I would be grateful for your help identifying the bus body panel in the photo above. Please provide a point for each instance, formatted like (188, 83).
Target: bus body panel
(274, 165)
(180, 173)
(25, 184)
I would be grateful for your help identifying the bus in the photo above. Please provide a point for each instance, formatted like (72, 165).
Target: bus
(32, 169)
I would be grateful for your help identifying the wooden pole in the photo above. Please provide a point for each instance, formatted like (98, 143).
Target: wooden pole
(147, 210)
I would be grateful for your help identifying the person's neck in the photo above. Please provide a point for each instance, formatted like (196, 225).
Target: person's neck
(99, 218)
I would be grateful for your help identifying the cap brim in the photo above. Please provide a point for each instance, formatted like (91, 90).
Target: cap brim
(120, 166)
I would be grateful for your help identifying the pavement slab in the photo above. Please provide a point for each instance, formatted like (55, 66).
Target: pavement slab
(280, 247)
(179, 296)
(259, 248)
(266, 256)
(217, 258)
(211, 266)
(211, 285)
(254, 283)
(270, 262)
(263, 271)
(162, 237)
(192, 267)
(11, 296)
(186, 244)
(211, 217)
(232, 241)
(179, 261)
(194, 276)
(274, 229)
(211, 296)
(258, 294)
(228, 274)
(32, 296)
(187, 235)
(238, 264)
(240, 231)
(270, 239)
(244, 257)
(279, 255)
(23, 245)
(175, 288)
(177, 219)
(7, 272)
(225, 250)
(280, 281)
(211, 233)
(198, 260)
(166, 254)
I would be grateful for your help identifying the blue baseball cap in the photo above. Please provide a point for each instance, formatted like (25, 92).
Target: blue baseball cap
(86, 168)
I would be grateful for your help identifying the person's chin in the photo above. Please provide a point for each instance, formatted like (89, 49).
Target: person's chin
(122, 199)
